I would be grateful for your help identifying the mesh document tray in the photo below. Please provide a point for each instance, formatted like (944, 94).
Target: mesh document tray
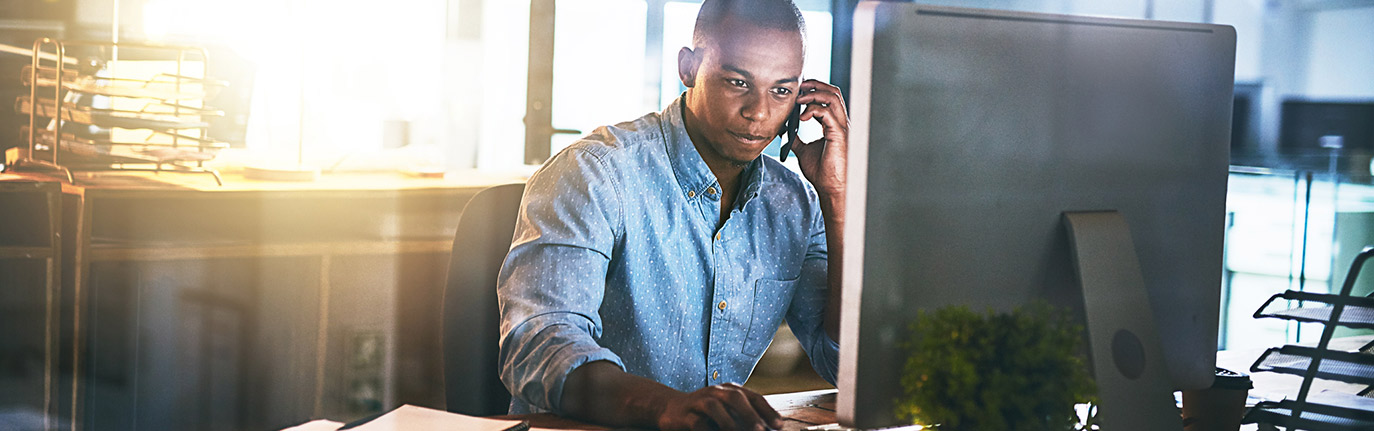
(1358, 312)
(1350, 367)
(1322, 411)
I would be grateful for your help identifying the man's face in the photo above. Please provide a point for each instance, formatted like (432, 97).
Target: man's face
(743, 85)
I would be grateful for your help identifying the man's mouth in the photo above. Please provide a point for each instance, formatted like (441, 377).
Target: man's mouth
(751, 139)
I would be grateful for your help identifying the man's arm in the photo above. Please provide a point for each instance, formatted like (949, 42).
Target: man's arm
(832, 207)
(823, 162)
(550, 291)
(552, 284)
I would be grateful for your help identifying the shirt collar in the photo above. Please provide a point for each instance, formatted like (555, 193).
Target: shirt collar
(692, 173)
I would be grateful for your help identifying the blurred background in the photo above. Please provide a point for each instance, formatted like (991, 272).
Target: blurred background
(478, 86)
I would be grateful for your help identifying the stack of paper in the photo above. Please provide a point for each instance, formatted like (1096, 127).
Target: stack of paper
(417, 418)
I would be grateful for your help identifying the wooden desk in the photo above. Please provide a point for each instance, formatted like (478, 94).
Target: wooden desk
(804, 409)
(799, 409)
(256, 304)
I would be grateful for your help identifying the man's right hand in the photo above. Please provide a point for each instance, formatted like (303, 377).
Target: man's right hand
(602, 393)
(720, 407)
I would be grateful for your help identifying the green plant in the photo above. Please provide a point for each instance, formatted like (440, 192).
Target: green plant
(995, 371)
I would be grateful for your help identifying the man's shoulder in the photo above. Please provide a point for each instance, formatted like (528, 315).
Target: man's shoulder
(609, 151)
(782, 179)
(629, 136)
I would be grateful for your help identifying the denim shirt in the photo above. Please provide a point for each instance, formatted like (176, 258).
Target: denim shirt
(616, 257)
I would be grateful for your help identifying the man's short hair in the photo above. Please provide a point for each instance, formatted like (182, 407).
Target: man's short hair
(774, 14)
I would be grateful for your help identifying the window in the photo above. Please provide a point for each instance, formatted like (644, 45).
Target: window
(326, 77)
(614, 61)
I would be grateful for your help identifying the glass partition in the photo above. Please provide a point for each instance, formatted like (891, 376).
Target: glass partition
(1290, 230)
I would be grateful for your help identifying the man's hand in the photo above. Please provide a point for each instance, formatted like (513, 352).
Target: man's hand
(823, 161)
(600, 392)
(720, 407)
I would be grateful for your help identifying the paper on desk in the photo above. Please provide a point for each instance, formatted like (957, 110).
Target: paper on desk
(417, 418)
(317, 425)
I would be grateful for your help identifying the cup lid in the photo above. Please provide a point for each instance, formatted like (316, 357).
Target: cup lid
(1227, 379)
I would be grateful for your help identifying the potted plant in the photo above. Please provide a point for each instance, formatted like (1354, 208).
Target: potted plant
(969, 371)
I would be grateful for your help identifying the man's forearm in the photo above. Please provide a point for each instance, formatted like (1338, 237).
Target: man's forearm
(832, 209)
(602, 393)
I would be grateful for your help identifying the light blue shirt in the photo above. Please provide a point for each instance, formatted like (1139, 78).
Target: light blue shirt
(616, 257)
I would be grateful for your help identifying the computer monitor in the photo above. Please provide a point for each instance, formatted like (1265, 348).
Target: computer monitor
(1327, 135)
(1316, 127)
(973, 132)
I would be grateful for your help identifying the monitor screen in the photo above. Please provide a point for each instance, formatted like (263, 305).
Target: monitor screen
(974, 131)
(1309, 127)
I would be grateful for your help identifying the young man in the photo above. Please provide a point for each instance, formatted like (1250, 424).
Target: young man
(654, 259)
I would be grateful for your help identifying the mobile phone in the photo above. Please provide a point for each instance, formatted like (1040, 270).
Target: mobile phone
(789, 131)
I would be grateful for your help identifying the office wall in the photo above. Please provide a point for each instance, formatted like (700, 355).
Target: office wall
(1247, 17)
(1123, 8)
(1341, 57)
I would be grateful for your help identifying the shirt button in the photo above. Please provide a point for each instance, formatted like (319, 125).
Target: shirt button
(717, 236)
(721, 306)
(691, 194)
(710, 190)
(716, 375)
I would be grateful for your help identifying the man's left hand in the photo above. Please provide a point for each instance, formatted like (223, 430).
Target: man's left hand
(823, 161)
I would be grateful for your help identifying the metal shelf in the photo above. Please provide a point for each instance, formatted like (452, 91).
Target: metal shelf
(1358, 311)
(172, 112)
(1349, 367)
(1322, 411)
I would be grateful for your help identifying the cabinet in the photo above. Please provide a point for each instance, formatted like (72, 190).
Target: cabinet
(30, 277)
(255, 305)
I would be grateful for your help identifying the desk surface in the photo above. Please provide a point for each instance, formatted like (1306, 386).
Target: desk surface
(799, 409)
(143, 183)
(805, 409)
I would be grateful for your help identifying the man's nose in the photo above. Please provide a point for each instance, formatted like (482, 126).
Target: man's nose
(754, 109)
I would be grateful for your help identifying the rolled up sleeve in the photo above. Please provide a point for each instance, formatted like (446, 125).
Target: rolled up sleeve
(552, 282)
(806, 315)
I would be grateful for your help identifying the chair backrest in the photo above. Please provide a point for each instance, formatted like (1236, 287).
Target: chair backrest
(471, 320)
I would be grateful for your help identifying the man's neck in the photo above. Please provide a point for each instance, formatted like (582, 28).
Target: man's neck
(727, 172)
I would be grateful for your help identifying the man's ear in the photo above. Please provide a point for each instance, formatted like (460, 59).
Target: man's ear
(687, 62)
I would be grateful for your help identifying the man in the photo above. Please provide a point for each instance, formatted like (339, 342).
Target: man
(654, 260)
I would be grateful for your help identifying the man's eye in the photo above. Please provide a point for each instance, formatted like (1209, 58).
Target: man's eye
(781, 91)
(737, 82)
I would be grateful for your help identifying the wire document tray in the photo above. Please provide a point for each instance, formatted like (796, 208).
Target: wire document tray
(164, 113)
(1324, 410)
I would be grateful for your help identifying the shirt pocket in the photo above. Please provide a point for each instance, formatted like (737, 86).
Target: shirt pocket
(772, 298)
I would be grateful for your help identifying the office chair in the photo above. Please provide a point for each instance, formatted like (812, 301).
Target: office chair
(471, 319)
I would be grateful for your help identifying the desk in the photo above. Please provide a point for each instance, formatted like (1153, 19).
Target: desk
(187, 305)
(798, 409)
(805, 409)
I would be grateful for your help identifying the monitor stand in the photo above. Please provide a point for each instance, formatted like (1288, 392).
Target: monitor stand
(1133, 386)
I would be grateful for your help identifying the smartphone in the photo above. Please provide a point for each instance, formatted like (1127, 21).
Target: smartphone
(789, 131)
